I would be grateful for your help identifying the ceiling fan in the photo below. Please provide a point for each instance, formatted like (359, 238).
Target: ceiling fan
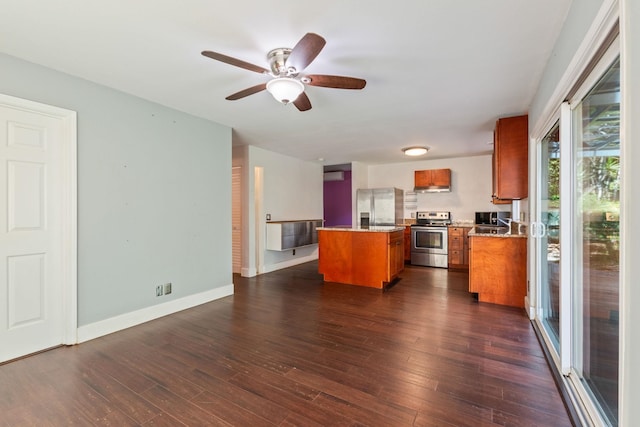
(287, 86)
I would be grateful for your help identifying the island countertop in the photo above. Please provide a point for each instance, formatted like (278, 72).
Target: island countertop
(375, 228)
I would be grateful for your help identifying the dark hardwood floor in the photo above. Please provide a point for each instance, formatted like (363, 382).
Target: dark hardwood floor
(290, 350)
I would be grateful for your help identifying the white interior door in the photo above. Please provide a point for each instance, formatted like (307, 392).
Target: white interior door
(34, 245)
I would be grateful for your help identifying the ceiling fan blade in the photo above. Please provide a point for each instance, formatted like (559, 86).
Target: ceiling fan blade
(305, 51)
(246, 92)
(234, 61)
(336, 82)
(302, 102)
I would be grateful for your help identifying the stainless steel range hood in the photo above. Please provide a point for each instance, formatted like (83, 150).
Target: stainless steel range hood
(433, 189)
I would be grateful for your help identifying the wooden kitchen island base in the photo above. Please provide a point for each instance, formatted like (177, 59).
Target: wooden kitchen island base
(498, 269)
(365, 257)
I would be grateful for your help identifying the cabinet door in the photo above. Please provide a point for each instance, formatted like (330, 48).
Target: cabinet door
(473, 283)
(441, 177)
(400, 256)
(407, 244)
(465, 240)
(422, 178)
(393, 262)
(494, 198)
(395, 254)
(432, 177)
(511, 158)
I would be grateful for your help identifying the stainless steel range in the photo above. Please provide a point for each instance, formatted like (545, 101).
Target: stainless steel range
(429, 237)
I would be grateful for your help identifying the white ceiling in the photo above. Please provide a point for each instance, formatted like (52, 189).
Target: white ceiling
(439, 72)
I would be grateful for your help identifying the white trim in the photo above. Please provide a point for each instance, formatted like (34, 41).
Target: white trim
(530, 308)
(546, 124)
(260, 228)
(69, 202)
(533, 274)
(597, 73)
(629, 368)
(603, 23)
(566, 232)
(127, 320)
(249, 272)
(290, 263)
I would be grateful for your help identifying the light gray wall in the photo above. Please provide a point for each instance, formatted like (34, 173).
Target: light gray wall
(471, 182)
(154, 193)
(574, 29)
(292, 189)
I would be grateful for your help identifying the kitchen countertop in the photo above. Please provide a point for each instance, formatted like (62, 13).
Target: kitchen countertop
(294, 220)
(493, 231)
(378, 228)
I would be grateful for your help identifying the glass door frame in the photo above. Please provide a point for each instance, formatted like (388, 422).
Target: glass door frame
(571, 343)
(573, 346)
(561, 358)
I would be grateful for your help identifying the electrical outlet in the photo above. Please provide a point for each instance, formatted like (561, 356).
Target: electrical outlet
(294, 252)
(167, 288)
(159, 290)
(268, 217)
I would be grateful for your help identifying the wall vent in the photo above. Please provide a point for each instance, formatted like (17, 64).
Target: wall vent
(334, 176)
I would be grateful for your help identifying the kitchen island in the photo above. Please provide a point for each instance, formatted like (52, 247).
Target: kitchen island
(498, 265)
(372, 257)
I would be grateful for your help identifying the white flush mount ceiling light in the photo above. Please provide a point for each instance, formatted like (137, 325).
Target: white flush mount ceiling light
(285, 89)
(415, 151)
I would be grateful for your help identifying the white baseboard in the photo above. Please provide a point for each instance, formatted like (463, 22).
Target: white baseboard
(530, 309)
(248, 272)
(127, 320)
(290, 263)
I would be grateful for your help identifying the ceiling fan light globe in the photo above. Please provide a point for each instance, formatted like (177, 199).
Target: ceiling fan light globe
(285, 89)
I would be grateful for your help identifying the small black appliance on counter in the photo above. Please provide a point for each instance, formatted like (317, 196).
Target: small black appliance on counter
(493, 218)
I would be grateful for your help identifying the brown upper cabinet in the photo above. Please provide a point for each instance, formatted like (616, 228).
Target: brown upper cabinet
(432, 180)
(510, 159)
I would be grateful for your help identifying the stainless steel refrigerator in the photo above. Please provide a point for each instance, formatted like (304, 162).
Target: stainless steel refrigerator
(380, 206)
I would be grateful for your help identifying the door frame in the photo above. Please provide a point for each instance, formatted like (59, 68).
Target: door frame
(69, 190)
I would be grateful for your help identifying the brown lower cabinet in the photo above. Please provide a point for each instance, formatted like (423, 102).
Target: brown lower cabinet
(364, 258)
(498, 269)
(407, 243)
(459, 248)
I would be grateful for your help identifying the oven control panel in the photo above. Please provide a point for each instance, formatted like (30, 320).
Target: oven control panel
(432, 215)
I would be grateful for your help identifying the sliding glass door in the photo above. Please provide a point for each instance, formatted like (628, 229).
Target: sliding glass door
(548, 232)
(596, 259)
(577, 235)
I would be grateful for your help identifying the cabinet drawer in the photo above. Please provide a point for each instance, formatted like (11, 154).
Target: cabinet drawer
(456, 257)
(456, 242)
